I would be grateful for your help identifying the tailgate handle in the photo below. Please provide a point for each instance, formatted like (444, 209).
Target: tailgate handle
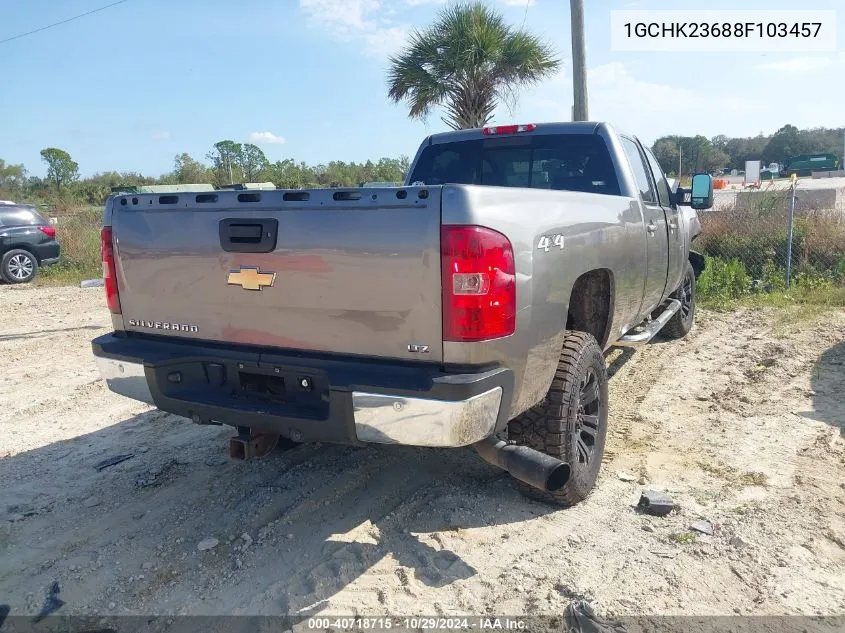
(246, 233)
(238, 235)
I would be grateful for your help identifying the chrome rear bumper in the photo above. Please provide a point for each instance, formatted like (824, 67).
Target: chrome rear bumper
(386, 419)
(126, 379)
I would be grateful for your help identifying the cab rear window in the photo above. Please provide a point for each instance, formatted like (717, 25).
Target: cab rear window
(566, 162)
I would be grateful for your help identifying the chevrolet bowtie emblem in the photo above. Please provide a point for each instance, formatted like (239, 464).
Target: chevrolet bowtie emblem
(251, 278)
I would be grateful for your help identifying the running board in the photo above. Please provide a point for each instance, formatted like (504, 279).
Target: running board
(650, 328)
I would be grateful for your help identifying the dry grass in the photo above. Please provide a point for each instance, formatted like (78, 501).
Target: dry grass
(748, 247)
(78, 232)
(757, 235)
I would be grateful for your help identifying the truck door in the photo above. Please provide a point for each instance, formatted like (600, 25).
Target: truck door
(678, 231)
(655, 229)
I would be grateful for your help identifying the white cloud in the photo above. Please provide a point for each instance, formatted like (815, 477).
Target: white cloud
(615, 79)
(386, 42)
(342, 16)
(266, 138)
(161, 136)
(615, 88)
(370, 23)
(800, 64)
(509, 3)
(366, 22)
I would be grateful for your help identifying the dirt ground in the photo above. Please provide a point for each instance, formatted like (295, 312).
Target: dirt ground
(742, 423)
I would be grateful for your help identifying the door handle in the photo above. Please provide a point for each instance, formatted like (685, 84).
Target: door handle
(651, 227)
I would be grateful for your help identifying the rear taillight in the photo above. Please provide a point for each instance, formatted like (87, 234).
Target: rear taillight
(109, 271)
(508, 129)
(479, 284)
(49, 231)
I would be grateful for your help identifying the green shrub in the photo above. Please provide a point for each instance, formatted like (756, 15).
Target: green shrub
(723, 281)
(773, 278)
(724, 284)
(810, 279)
(839, 269)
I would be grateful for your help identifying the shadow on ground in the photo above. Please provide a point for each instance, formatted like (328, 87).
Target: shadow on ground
(828, 385)
(617, 358)
(320, 517)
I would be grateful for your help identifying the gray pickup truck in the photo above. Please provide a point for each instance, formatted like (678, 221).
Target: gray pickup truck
(470, 307)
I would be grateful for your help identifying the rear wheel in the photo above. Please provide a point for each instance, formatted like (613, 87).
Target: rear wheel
(18, 266)
(571, 422)
(682, 321)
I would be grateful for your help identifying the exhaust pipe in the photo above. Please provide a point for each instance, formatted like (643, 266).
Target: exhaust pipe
(530, 466)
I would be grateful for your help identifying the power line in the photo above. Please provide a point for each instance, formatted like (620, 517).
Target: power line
(49, 26)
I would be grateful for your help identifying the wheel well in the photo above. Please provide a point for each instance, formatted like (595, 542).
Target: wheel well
(591, 304)
(698, 263)
(22, 247)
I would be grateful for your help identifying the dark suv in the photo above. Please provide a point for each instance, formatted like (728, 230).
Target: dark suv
(27, 242)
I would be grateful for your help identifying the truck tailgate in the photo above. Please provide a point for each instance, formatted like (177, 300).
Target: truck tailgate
(339, 274)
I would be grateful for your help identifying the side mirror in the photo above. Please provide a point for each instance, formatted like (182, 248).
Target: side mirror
(701, 196)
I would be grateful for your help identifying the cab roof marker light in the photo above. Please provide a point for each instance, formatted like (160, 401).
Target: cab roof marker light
(508, 129)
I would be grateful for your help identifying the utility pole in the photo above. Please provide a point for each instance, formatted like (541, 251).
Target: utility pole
(579, 62)
(680, 161)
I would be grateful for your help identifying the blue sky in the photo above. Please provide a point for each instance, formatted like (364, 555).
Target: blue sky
(129, 87)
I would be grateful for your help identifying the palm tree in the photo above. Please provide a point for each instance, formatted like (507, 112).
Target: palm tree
(467, 62)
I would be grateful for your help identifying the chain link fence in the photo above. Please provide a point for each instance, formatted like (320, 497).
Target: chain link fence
(78, 232)
(767, 240)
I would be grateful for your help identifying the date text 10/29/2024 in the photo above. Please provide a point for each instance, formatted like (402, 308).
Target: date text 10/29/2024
(418, 624)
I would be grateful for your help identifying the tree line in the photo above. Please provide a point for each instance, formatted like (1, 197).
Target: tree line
(228, 162)
(698, 153)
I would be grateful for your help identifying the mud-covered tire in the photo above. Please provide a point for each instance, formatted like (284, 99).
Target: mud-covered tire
(682, 321)
(18, 266)
(571, 422)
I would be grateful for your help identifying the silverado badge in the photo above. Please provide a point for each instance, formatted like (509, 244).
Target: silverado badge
(250, 278)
